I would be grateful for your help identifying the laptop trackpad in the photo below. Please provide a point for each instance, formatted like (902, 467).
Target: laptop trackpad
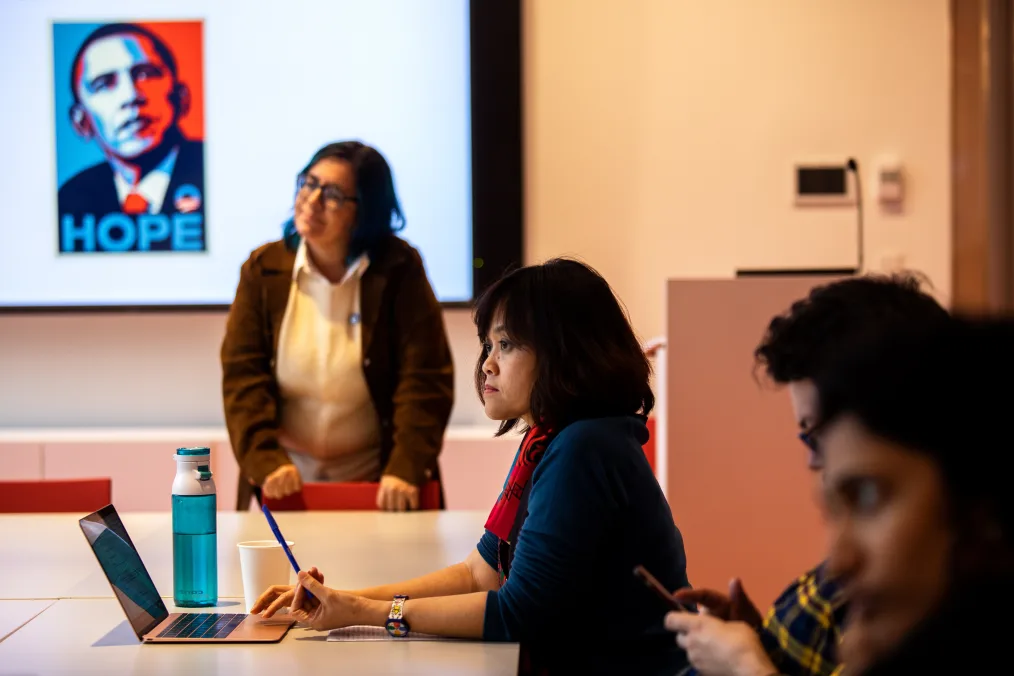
(281, 617)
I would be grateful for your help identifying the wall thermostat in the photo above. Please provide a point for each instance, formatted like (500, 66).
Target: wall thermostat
(819, 185)
(890, 182)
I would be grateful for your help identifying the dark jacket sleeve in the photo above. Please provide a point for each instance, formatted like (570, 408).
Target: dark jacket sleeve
(249, 389)
(424, 390)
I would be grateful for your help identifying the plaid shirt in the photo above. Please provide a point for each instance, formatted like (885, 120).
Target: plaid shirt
(803, 628)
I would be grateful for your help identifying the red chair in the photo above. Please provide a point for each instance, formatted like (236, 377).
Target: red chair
(57, 495)
(359, 495)
(649, 445)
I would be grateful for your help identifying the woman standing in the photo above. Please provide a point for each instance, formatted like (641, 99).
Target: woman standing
(335, 361)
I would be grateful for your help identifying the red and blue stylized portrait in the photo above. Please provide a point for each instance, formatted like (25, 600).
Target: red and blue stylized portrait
(129, 136)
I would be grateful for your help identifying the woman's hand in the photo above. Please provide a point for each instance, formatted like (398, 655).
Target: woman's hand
(279, 596)
(281, 483)
(332, 609)
(397, 495)
(717, 647)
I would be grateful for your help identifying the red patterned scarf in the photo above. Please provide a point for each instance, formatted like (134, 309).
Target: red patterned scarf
(505, 511)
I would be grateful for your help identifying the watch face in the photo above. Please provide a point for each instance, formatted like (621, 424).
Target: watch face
(397, 627)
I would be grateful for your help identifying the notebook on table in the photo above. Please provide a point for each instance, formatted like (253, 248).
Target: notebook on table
(368, 633)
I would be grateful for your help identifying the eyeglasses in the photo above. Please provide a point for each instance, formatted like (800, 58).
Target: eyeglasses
(809, 439)
(331, 194)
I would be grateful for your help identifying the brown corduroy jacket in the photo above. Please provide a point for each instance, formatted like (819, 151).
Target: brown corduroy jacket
(406, 361)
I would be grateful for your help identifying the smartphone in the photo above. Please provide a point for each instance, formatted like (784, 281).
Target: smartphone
(649, 580)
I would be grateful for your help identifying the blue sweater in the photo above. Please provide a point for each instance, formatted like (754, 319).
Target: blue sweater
(595, 511)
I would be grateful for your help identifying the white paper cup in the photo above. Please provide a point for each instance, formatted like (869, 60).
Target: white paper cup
(263, 563)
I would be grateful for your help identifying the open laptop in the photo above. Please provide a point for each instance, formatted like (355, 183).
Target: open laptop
(147, 614)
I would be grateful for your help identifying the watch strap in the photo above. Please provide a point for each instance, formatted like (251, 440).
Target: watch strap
(396, 625)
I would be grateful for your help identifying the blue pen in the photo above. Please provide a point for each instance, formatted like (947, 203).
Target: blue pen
(281, 541)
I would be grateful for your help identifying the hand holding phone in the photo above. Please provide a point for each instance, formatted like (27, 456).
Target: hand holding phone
(649, 580)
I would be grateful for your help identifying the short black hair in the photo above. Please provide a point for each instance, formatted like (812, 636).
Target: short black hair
(818, 329)
(379, 213)
(945, 393)
(161, 48)
(589, 363)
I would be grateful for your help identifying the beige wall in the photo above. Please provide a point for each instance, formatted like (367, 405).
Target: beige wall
(660, 136)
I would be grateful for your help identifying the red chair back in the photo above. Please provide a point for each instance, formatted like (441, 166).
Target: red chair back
(649, 445)
(357, 495)
(57, 495)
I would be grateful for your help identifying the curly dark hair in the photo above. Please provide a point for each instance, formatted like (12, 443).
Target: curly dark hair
(818, 329)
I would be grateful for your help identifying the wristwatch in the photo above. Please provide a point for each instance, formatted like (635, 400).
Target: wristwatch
(396, 624)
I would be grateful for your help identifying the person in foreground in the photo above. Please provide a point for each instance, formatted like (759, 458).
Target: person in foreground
(800, 633)
(335, 363)
(919, 506)
(580, 509)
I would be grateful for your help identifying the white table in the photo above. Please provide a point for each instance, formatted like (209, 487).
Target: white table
(91, 636)
(16, 614)
(47, 557)
(64, 619)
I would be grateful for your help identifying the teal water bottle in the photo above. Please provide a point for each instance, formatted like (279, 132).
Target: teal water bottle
(195, 547)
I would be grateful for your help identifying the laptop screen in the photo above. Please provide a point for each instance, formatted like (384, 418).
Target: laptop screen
(123, 568)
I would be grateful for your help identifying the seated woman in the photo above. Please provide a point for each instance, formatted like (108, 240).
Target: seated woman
(335, 363)
(919, 505)
(580, 507)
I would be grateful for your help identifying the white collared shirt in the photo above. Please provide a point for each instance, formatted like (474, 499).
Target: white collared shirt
(152, 186)
(327, 411)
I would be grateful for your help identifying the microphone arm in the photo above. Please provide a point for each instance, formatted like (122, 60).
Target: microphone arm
(853, 166)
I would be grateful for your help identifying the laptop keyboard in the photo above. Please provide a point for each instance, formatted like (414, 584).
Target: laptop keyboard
(202, 625)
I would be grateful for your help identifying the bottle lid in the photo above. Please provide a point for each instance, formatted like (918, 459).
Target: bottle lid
(194, 450)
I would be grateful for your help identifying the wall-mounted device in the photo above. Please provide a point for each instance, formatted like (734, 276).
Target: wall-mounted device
(890, 182)
(824, 185)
